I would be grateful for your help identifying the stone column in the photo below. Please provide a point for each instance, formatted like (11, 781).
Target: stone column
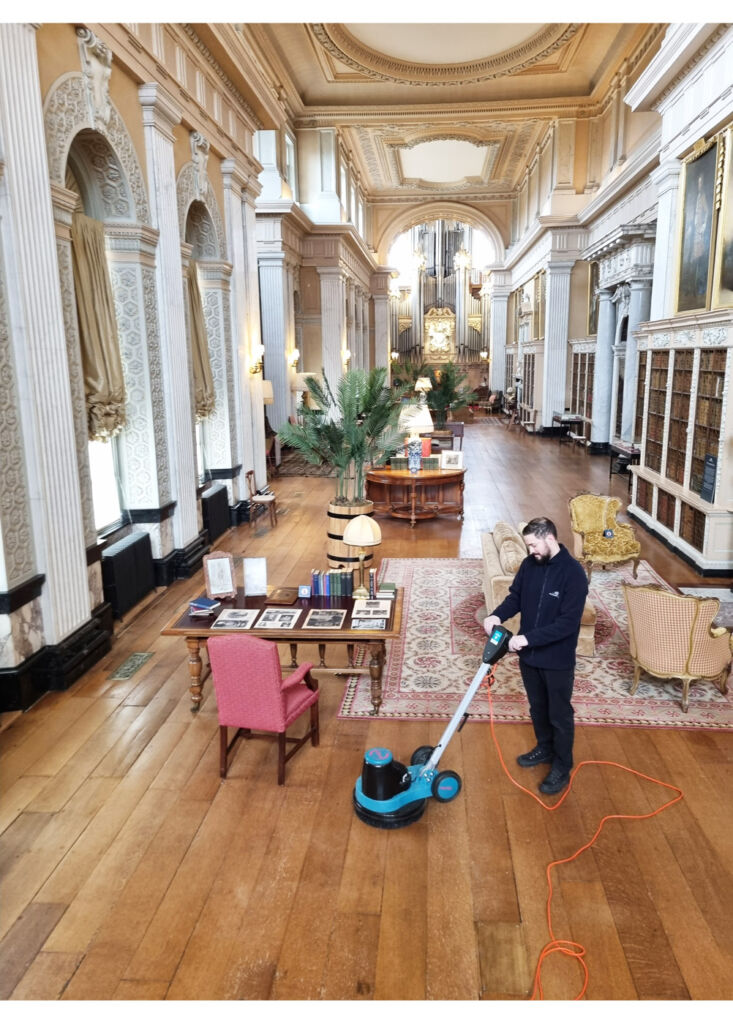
(333, 321)
(365, 331)
(253, 450)
(499, 288)
(600, 432)
(461, 313)
(663, 301)
(382, 340)
(278, 330)
(160, 115)
(639, 310)
(556, 340)
(351, 322)
(36, 323)
(358, 350)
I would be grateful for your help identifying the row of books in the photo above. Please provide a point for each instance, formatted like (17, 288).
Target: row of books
(332, 582)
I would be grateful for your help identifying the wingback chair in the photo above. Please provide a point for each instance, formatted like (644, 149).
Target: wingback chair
(252, 694)
(671, 636)
(592, 516)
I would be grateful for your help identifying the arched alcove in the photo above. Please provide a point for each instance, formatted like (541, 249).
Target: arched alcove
(404, 220)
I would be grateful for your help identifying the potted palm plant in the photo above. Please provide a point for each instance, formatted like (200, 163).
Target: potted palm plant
(447, 392)
(351, 430)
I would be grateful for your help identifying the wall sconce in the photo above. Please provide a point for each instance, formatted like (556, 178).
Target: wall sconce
(394, 355)
(258, 354)
(484, 355)
(294, 358)
(346, 356)
(462, 260)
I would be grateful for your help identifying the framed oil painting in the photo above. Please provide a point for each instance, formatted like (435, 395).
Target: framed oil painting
(696, 234)
(593, 278)
(723, 274)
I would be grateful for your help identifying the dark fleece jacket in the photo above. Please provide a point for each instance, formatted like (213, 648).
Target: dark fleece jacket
(550, 599)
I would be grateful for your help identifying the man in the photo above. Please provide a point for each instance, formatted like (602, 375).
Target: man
(549, 591)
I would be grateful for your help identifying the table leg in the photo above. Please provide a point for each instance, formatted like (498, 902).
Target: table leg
(194, 668)
(413, 487)
(377, 650)
(322, 655)
(293, 655)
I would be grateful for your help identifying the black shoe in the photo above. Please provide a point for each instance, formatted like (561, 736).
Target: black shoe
(555, 781)
(540, 755)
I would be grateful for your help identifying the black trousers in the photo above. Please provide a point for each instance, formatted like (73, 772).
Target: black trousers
(549, 692)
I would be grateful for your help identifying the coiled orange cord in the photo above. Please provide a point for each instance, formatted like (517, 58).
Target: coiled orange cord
(566, 946)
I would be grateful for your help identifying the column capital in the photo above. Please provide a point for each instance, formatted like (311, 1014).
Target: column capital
(159, 109)
(667, 175)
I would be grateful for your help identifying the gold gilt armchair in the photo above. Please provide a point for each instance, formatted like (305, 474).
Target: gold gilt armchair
(671, 636)
(597, 538)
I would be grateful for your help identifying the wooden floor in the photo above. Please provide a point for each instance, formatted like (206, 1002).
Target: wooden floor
(129, 871)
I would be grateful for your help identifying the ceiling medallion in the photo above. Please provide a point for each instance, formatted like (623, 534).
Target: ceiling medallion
(337, 41)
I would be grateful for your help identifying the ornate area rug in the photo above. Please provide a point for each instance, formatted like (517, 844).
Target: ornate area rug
(725, 596)
(292, 463)
(429, 669)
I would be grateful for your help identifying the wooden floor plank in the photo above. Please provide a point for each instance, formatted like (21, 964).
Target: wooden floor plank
(21, 944)
(300, 899)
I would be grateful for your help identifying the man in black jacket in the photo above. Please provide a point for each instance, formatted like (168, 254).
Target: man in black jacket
(549, 591)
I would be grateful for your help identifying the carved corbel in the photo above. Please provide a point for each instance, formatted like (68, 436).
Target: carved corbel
(96, 67)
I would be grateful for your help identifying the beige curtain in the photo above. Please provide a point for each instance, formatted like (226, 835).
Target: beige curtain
(203, 380)
(104, 383)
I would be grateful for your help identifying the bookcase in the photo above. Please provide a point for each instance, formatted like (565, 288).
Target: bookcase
(683, 486)
(581, 387)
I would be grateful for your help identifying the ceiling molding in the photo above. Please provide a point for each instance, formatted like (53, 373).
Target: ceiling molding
(344, 47)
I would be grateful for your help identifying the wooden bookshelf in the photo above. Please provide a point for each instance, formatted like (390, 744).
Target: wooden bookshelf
(655, 413)
(640, 396)
(708, 410)
(692, 525)
(581, 386)
(679, 415)
(666, 508)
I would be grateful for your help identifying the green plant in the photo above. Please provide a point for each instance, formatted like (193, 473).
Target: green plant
(447, 392)
(350, 431)
(404, 375)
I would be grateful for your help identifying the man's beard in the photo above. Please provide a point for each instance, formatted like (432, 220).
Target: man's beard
(541, 559)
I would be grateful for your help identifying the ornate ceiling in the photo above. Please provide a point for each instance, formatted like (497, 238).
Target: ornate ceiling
(433, 111)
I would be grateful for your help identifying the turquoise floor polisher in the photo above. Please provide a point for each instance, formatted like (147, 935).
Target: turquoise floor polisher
(390, 795)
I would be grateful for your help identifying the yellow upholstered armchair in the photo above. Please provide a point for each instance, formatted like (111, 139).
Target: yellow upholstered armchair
(671, 636)
(597, 538)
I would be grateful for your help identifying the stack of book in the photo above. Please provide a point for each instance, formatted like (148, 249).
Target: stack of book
(203, 606)
(332, 582)
(387, 590)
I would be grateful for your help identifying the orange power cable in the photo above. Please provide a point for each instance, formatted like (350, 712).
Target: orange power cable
(566, 946)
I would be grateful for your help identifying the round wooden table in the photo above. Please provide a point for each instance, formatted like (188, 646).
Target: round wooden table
(422, 495)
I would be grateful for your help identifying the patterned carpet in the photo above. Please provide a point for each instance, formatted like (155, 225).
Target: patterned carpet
(428, 670)
(292, 463)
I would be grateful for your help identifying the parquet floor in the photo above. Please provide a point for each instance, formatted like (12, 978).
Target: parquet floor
(128, 871)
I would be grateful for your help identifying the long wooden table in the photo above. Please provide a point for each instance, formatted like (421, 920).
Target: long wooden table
(422, 495)
(196, 631)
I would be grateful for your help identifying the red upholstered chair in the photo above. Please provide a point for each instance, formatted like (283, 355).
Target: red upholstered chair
(252, 694)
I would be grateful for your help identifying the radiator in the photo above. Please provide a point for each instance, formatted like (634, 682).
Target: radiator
(127, 572)
(215, 512)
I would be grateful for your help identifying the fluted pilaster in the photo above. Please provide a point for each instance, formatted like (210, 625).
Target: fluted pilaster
(556, 339)
(160, 115)
(639, 306)
(34, 298)
(667, 179)
(277, 331)
(498, 305)
(600, 433)
(333, 321)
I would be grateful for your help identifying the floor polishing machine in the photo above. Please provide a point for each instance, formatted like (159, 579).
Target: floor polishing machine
(390, 795)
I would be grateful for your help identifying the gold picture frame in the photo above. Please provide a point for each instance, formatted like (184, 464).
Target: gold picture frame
(594, 268)
(723, 269)
(695, 243)
(219, 574)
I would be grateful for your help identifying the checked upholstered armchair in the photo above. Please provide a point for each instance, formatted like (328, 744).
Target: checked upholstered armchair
(597, 538)
(671, 636)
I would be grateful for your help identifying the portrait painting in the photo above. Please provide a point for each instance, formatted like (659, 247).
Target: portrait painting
(697, 228)
(593, 277)
(723, 274)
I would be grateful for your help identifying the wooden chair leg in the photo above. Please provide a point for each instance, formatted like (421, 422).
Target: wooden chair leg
(281, 759)
(315, 726)
(223, 740)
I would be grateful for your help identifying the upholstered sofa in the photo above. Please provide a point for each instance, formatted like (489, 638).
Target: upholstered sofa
(503, 550)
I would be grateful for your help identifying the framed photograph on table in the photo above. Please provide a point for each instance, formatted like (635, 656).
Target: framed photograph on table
(451, 460)
(696, 228)
(219, 574)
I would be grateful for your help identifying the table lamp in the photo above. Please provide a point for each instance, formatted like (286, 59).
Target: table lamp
(362, 532)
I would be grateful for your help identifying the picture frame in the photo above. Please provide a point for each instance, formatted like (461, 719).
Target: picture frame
(593, 282)
(325, 618)
(278, 618)
(236, 618)
(696, 221)
(219, 574)
(723, 269)
(451, 460)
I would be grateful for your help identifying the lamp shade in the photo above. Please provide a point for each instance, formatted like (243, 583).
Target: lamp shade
(415, 419)
(362, 532)
(423, 384)
(268, 398)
